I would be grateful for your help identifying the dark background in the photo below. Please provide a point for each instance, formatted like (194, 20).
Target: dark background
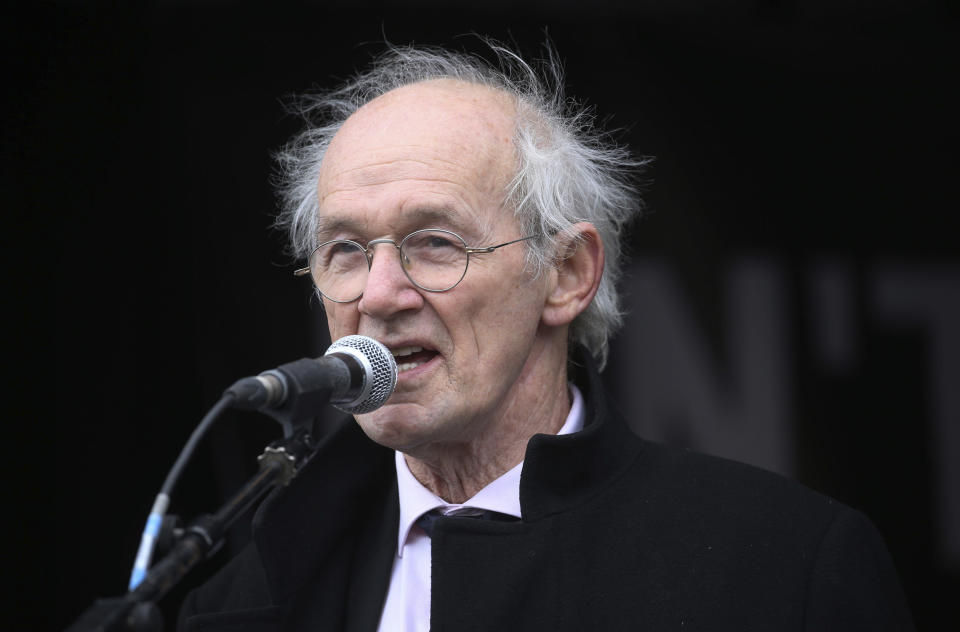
(144, 278)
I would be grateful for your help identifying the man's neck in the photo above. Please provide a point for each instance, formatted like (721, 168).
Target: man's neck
(456, 471)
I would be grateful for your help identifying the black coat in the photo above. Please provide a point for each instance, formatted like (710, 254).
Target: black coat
(617, 533)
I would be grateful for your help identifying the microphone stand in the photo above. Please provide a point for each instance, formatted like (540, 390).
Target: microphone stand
(137, 610)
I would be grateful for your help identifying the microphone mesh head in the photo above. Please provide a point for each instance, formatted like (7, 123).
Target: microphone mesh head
(380, 371)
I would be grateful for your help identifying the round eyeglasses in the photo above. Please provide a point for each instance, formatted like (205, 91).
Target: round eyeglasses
(434, 260)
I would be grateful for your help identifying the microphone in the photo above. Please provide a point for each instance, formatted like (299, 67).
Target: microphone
(357, 375)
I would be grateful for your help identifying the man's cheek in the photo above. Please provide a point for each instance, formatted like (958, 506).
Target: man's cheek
(341, 322)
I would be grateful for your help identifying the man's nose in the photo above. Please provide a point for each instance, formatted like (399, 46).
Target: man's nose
(388, 289)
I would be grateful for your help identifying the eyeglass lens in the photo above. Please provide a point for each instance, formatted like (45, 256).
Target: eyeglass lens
(434, 260)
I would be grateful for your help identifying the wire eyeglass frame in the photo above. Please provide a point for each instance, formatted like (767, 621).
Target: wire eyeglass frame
(368, 251)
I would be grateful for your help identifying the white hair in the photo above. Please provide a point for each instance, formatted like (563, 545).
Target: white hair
(568, 170)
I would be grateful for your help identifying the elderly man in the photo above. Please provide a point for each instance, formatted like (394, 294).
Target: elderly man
(469, 220)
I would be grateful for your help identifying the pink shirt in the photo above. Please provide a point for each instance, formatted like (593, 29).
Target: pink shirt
(407, 608)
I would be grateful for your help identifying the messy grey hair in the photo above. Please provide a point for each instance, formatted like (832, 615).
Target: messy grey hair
(568, 170)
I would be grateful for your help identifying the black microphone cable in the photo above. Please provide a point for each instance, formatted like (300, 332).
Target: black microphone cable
(151, 531)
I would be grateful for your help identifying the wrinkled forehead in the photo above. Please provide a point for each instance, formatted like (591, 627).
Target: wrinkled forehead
(437, 131)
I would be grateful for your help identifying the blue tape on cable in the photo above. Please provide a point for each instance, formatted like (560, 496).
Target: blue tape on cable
(137, 577)
(153, 524)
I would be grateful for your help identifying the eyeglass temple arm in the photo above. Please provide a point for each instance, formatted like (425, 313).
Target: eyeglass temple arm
(492, 248)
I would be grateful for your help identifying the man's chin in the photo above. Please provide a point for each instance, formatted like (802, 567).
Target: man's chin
(395, 426)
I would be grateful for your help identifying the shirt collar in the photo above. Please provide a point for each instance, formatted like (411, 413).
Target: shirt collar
(501, 495)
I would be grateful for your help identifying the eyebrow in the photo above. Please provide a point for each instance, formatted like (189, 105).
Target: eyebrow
(412, 219)
(327, 227)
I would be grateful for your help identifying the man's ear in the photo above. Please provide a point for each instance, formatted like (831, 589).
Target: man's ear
(579, 266)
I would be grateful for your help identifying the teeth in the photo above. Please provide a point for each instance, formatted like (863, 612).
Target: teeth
(406, 366)
(405, 351)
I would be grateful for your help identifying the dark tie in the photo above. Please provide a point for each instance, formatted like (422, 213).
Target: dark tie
(427, 520)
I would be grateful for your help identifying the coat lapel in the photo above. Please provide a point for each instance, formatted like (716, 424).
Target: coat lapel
(318, 565)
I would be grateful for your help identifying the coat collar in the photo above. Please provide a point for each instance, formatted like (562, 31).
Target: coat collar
(561, 472)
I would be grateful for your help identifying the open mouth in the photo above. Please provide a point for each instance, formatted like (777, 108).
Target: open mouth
(412, 357)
